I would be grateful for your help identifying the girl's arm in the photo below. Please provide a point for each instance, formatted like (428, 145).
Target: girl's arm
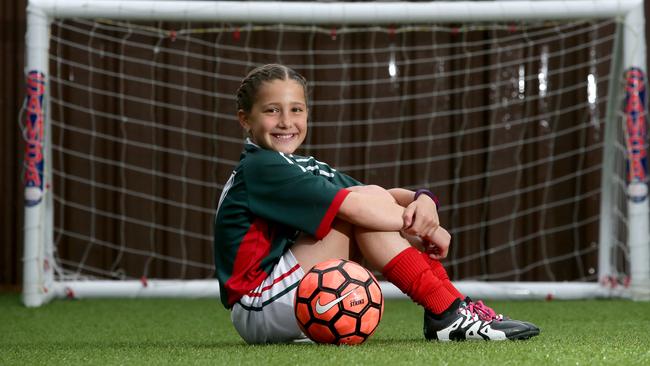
(372, 211)
(376, 211)
(404, 197)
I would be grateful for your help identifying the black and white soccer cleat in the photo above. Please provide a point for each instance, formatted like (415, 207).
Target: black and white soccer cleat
(466, 322)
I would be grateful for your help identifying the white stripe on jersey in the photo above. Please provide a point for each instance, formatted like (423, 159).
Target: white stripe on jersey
(304, 160)
(291, 162)
(226, 188)
(331, 175)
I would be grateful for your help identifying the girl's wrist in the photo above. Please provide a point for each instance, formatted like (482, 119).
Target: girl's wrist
(427, 192)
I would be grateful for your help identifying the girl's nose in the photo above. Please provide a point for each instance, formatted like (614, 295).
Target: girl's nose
(285, 120)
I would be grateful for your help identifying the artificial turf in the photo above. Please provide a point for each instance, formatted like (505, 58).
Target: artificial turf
(185, 331)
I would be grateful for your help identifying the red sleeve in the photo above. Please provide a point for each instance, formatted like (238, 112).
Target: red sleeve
(326, 223)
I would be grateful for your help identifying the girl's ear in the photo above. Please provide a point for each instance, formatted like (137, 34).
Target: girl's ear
(243, 120)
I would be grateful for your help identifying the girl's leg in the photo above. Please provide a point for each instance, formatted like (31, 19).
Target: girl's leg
(336, 244)
(388, 252)
(423, 279)
(437, 267)
(405, 267)
(440, 272)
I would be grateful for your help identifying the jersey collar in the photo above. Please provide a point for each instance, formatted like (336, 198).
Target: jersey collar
(250, 145)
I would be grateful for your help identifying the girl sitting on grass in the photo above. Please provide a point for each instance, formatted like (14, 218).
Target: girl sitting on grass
(280, 214)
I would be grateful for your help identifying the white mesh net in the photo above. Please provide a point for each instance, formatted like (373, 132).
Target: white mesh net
(504, 122)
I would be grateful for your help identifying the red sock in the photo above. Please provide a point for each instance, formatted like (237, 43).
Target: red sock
(440, 272)
(414, 276)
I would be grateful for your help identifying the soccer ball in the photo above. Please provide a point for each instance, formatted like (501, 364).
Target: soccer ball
(339, 302)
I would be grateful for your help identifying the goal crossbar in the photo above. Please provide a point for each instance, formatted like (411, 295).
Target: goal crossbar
(334, 13)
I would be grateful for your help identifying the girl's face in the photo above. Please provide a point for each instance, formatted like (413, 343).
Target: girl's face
(278, 119)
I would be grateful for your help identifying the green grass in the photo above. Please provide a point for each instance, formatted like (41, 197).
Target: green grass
(164, 331)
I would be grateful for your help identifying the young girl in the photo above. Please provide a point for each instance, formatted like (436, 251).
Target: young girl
(280, 214)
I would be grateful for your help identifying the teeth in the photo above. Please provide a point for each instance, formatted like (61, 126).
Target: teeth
(283, 137)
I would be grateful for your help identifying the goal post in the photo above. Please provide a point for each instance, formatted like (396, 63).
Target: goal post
(635, 110)
(623, 238)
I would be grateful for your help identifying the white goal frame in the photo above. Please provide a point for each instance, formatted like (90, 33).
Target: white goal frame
(39, 284)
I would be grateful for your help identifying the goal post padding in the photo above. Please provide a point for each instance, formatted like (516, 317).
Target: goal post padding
(41, 282)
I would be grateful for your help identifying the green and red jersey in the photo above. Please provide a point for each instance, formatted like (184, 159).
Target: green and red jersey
(270, 198)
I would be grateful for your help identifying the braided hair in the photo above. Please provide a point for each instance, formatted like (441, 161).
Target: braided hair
(249, 87)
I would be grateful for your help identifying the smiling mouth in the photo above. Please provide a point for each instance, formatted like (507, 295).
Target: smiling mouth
(284, 136)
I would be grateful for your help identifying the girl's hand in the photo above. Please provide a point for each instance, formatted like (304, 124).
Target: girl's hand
(438, 246)
(421, 217)
(421, 220)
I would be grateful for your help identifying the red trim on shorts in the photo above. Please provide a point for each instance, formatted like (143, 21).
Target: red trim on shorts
(326, 222)
(265, 288)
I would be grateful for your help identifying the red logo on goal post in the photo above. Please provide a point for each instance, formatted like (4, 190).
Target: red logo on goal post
(635, 118)
(34, 129)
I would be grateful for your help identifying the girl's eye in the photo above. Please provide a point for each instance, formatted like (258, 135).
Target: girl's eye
(297, 110)
(272, 110)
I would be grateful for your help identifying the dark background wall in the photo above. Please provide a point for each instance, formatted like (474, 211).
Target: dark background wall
(11, 67)
(12, 43)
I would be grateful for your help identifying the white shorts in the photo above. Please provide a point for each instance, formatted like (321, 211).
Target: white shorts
(266, 315)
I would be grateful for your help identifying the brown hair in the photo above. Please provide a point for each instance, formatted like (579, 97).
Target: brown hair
(250, 85)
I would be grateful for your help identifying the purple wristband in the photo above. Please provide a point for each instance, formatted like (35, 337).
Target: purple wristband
(427, 193)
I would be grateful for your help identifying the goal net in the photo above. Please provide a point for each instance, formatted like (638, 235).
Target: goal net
(531, 132)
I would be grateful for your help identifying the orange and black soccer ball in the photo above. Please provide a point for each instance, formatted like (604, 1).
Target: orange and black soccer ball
(339, 302)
